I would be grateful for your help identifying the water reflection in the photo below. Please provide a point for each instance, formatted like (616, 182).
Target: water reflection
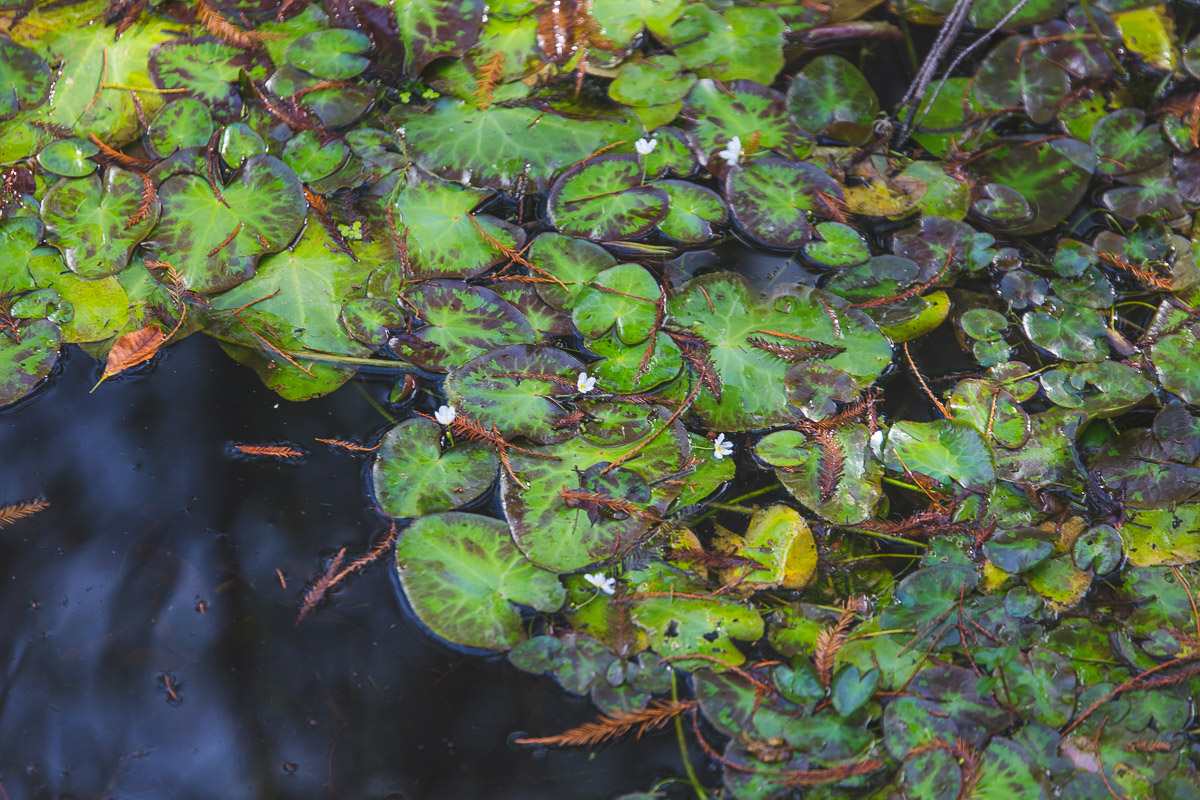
(148, 647)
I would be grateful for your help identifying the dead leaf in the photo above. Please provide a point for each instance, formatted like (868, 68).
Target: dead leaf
(136, 347)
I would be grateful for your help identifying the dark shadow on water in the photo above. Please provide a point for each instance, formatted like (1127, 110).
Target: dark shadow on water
(154, 572)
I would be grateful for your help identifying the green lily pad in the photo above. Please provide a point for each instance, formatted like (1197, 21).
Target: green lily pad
(741, 42)
(492, 147)
(207, 69)
(24, 363)
(89, 221)
(216, 245)
(947, 450)
(431, 29)
(101, 305)
(1071, 332)
(445, 240)
(991, 408)
(626, 368)
(1020, 549)
(69, 157)
(179, 124)
(335, 54)
(574, 262)
(692, 212)
(1163, 537)
(651, 81)
(682, 626)
(238, 142)
(1099, 388)
(462, 322)
(726, 313)
(1100, 550)
(603, 199)
(567, 535)
(413, 476)
(1060, 582)
(506, 388)
(837, 246)
(1051, 175)
(1176, 355)
(851, 689)
(370, 320)
(25, 76)
(779, 542)
(462, 575)
(1124, 143)
(830, 97)
(798, 463)
(312, 159)
(983, 324)
(745, 109)
(772, 199)
(623, 299)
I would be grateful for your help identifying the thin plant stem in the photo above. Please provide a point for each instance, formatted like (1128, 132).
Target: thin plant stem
(1112, 57)
(324, 358)
(885, 536)
(683, 748)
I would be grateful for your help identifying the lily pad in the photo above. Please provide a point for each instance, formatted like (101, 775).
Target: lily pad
(773, 198)
(623, 299)
(27, 356)
(461, 322)
(830, 97)
(462, 576)
(692, 212)
(744, 109)
(207, 69)
(179, 124)
(946, 450)
(335, 54)
(508, 388)
(445, 240)
(215, 244)
(89, 221)
(25, 76)
(70, 158)
(413, 476)
(603, 199)
(431, 29)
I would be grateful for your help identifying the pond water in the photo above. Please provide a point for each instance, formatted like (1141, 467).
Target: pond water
(157, 561)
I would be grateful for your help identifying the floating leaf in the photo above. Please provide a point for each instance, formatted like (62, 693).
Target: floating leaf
(215, 245)
(780, 548)
(208, 69)
(624, 299)
(946, 450)
(179, 124)
(89, 220)
(604, 199)
(26, 361)
(742, 42)
(413, 476)
(335, 53)
(692, 212)
(445, 239)
(136, 347)
(461, 322)
(25, 76)
(69, 157)
(431, 29)
(462, 575)
(830, 97)
(771, 199)
(745, 109)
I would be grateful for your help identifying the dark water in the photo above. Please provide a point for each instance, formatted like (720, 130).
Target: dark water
(157, 561)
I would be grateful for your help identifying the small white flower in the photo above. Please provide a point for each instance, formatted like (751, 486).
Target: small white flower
(722, 448)
(602, 582)
(585, 383)
(645, 146)
(732, 152)
(445, 415)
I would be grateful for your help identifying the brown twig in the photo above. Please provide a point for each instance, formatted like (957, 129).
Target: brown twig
(616, 724)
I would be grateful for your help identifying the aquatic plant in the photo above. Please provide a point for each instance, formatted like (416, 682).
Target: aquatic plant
(913, 515)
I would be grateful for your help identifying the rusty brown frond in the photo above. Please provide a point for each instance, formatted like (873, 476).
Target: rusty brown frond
(1149, 746)
(570, 420)
(563, 383)
(704, 558)
(216, 24)
(830, 640)
(862, 409)
(644, 399)
(111, 156)
(966, 756)
(695, 350)
(816, 777)
(228, 239)
(332, 575)
(835, 207)
(489, 77)
(509, 253)
(400, 243)
(172, 278)
(351, 446)
(145, 208)
(269, 451)
(912, 291)
(801, 351)
(831, 465)
(15, 511)
(292, 113)
(1142, 273)
(317, 203)
(595, 501)
(124, 13)
(320, 86)
(616, 724)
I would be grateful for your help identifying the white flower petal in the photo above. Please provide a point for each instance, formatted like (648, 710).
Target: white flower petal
(585, 383)
(645, 146)
(445, 415)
